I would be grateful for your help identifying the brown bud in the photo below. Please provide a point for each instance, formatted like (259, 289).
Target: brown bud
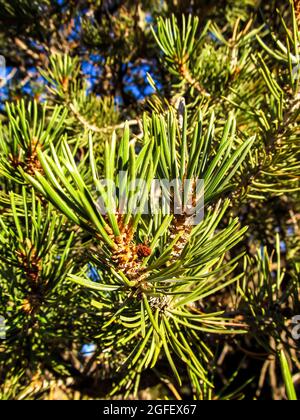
(143, 251)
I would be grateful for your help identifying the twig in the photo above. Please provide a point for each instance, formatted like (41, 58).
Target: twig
(169, 384)
(262, 378)
(95, 128)
(297, 10)
(19, 43)
(185, 73)
(8, 77)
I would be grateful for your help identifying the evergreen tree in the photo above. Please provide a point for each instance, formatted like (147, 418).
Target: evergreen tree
(149, 169)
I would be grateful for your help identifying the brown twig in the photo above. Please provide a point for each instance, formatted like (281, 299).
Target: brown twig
(297, 10)
(187, 76)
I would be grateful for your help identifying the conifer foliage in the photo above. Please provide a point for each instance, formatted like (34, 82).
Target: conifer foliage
(149, 202)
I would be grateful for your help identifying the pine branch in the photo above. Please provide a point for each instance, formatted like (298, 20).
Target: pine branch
(191, 81)
(96, 129)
